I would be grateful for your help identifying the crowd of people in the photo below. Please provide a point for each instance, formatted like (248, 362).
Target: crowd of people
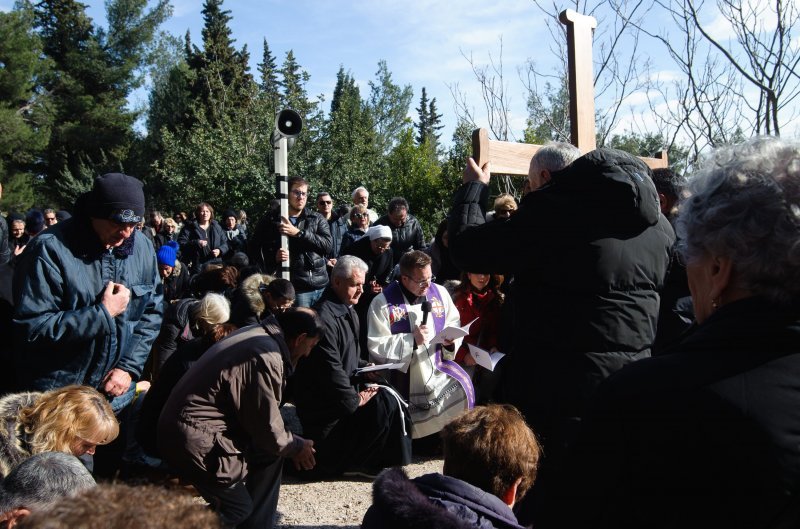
(642, 333)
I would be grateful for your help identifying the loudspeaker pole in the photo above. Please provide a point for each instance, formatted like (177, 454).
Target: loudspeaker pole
(288, 125)
(282, 178)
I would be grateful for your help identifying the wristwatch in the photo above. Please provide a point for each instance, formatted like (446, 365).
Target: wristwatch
(301, 233)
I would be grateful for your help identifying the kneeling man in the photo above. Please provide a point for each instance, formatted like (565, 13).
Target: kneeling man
(356, 426)
(221, 428)
(402, 321)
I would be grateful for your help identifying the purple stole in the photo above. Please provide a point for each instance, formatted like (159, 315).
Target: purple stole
(399, 323)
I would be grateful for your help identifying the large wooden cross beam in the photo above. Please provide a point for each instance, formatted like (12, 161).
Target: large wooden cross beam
(513, 158)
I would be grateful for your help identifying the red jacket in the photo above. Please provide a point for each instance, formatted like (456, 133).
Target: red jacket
(483, 333)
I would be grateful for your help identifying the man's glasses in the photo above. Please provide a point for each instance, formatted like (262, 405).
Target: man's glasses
(358, 215)
(299, 194)
(325, 202)
(422, 283)
(50, 219)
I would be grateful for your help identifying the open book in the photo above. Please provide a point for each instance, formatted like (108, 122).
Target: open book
(451, 333)
(484, 358)
(380, 367)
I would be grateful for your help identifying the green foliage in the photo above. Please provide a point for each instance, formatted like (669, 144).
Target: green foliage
(19, 193)
(429, 123)
(221, 163)
(548, 115)
(269, 85)
(350, 154)
(307, 151)
(93, 72)
(222, 83)
(24, 113)
(457, 154)
(650, 145)
(388, 104)
(415, 173)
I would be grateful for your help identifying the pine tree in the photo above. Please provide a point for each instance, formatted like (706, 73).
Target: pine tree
(350, 155)
(24, 117)
(434, 126)
(306, 153)
(269, 85)
(423, 120)
(222, 83)
(388, 104)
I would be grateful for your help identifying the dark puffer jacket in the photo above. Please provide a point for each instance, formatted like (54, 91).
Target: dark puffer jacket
(589, 252)
(405, 238)
(433, 501)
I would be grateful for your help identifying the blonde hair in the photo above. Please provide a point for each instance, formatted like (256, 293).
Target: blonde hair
(61, 416)
(211, 310)
(505, 201)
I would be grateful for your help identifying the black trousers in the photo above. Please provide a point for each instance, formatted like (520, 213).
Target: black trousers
(371, 439)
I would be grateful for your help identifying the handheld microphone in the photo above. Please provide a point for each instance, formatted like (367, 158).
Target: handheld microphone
(426, 308)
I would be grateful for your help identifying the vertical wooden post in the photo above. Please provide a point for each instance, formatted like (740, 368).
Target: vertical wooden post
(581, 79)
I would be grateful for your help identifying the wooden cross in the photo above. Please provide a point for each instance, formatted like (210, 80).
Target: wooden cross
(514, 158)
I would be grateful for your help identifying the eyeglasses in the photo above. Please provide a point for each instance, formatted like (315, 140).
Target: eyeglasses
(325, 202)
(422, 283)
(49, 218)
(358, 215)
(383, 246)
(299, 194)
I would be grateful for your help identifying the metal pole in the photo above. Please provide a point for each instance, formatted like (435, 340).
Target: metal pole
(282, 177)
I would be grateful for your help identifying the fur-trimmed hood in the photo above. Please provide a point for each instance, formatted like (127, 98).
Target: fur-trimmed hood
(433, 501)
(251, 293)
(13, 448)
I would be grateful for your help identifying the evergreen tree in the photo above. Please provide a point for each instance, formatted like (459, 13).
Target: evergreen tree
(649, 145)
(306, 153)
(197, 166)
(460, 149)
(423, 118)
(222, 83)
(24, 117)
(350, 155)
(388, 105)
(93, 73)
(434, 126)
(415, 173)
(269, 85)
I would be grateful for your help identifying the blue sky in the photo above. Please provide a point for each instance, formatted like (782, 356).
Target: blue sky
(421, 40)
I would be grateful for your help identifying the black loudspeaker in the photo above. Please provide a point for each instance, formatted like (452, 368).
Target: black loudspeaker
(288, 123)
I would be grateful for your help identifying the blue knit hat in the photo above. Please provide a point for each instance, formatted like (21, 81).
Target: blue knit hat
(168, 254)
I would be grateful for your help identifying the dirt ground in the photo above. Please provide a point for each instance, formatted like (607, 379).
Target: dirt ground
(328, 504)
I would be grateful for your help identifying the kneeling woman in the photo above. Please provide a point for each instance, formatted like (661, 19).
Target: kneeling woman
(72, 419)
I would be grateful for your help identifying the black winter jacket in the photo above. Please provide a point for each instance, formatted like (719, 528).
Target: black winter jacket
(322, 389)
(407, 237)
(307, 263)
(705, 435)
(589, 252)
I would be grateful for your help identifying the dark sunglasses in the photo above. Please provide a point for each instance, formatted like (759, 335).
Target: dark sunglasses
(358, 215)
(326, 202)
